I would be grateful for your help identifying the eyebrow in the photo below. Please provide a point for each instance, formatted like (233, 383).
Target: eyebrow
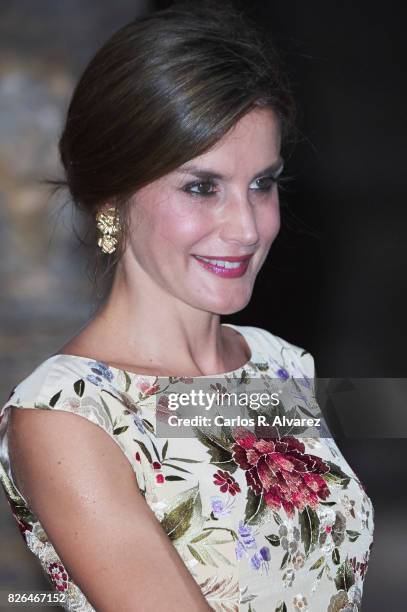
(274, 169)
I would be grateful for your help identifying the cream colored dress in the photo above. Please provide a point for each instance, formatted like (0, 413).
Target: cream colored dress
(264, 523)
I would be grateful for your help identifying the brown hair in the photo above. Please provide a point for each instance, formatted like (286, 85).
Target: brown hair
(162, 90)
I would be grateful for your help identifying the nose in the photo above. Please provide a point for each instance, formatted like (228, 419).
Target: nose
(240, 223)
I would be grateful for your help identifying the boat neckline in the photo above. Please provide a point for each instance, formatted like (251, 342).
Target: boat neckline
(115, 369)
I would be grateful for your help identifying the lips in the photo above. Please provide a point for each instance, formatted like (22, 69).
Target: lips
(227, 266)
(227, 257)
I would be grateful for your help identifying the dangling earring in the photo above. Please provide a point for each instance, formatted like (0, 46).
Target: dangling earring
(109, 227)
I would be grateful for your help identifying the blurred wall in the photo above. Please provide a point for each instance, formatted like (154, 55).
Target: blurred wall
(44, 290)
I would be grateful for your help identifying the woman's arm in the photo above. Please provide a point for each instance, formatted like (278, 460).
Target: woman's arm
(84, 492)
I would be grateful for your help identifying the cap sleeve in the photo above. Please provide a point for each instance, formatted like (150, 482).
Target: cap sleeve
(80, 389)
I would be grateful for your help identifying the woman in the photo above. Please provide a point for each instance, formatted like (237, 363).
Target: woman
(172, 145)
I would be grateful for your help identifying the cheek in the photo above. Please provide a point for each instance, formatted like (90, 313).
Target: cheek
(269, 220)
(182, 227)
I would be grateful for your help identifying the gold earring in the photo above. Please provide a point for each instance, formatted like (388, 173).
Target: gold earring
(109, 227)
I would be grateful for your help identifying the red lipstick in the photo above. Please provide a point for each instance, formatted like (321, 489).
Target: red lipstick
(225, 265)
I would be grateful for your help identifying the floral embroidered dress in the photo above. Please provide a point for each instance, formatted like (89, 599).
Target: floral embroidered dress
(264, 522)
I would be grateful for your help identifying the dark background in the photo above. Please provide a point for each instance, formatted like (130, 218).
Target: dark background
(335, 280)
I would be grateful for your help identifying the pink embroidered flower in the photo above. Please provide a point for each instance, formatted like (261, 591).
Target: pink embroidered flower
(226, 482)
(58, 575)
(145, 386)
(162, 410)
(159, 478)
(281, 470)
(360, 566)
(22, 524)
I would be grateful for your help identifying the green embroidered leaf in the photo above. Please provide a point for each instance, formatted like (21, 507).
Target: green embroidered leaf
(244, 378)
(144, 449)
(309, 524)
(321, 572)
(221, 558)
(155, 450)
(306, 411)
(353, 535)
(277, 518)
(120, 430)
(335, 556)
(107, 410)
(255, 507)
(262, 366)
(185, 460)
(165, 448)
(79, 387)
(175, 467)
(281, 607)
(317, 563)
(25, 514)
(174, 477)
(55, 398)
(273, 539)
(177, 521)
(345, 576)
(218, 449)
(196, 555)
(285, 560)
(128, 380)
(201, 536)
(336, 475)
(323, 503)
(148, 425)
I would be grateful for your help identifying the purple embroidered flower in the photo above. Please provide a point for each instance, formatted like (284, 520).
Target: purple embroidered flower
(100, 371)
(139, 424)
(261, 559)
(219, 508)
(240, 550)
(302, 378)
(282, 373)
(255, 561)
(245, 532)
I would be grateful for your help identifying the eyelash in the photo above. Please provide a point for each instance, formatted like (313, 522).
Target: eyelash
(188, 188)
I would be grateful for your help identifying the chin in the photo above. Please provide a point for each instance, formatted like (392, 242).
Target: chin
(228, 304)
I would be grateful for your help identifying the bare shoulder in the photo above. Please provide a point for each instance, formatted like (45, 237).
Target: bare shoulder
(82, 489)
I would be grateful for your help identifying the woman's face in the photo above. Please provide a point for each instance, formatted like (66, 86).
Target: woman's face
(222, 204)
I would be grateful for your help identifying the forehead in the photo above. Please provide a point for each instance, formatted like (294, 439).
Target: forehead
(254, 140)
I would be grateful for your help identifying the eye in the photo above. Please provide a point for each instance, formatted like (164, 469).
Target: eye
(200, 188)
(263, 183)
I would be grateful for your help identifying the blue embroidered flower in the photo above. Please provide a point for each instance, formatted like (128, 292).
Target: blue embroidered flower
(245, 532)
(139, 424)
(282, 373)
(255, 561)
(219, 508)
(240, 550)
(247, 540)
(100, 371)
(261, 559)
